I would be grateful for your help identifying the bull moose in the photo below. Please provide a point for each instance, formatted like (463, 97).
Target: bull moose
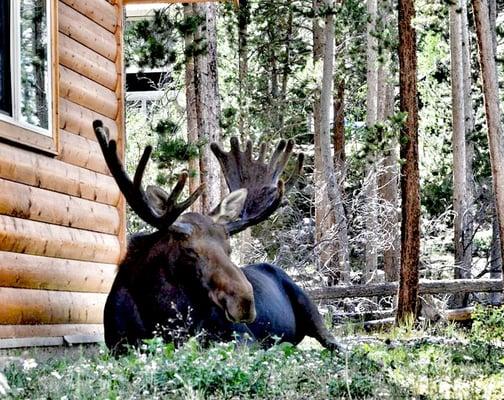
(182, 276)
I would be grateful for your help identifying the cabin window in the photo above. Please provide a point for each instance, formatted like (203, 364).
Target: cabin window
(26, 72)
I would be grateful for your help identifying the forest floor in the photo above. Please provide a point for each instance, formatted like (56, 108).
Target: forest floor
(441, 362)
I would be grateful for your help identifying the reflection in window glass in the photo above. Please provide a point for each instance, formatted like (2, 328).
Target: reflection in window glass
(5, 74)
(34, 63)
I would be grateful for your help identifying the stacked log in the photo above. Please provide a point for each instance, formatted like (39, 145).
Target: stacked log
(62, 218)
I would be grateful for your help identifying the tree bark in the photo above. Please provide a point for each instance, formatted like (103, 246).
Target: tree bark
(327, 163)
(495, 259)
(339, 130)
(468, 228)
(410, 192)
(243, 22)
(324, 215)
(208, 104)
(191, 108)
(388, 189)
(492, 109)
(458, 142)
(496, 256)
(388, 183)
(371, 185)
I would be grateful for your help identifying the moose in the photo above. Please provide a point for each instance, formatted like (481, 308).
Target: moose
(182, 276)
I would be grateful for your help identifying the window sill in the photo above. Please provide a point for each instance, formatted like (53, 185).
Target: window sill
(18, 134)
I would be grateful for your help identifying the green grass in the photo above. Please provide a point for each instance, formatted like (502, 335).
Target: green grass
(401, 364)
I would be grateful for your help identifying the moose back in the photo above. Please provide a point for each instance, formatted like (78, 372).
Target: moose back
(180, 280)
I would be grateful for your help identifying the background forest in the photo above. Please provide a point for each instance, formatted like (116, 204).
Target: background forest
(261, 72)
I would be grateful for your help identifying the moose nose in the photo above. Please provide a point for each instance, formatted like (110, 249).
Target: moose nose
(249, 314)
(251, 317)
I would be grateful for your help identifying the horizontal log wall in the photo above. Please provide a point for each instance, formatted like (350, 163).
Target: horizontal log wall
(82, 152)
(87, 93)
(86, 62)
(85, 31)
(31, 237)
(79, 120)
(36, 272)
(425, 287)
(24, 166)
(101, 12)
(62, 218)
(29, 331)
(28, 306)
(27, 202)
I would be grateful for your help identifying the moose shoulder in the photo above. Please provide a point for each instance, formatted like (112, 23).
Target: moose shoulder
(180, 280)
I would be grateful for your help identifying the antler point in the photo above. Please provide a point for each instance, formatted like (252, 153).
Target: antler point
(97, 123)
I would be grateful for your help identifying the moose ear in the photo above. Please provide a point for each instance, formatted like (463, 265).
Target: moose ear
(157, 197)
(230, 207)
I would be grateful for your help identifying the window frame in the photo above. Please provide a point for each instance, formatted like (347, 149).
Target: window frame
(12, 129)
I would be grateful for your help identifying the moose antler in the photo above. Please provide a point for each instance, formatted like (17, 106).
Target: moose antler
(160, 216)
(265, 188)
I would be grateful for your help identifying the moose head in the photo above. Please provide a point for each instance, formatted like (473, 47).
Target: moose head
(188, 257)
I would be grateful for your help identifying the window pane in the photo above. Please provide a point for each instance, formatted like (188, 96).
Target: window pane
(5, 75)
(34, 63)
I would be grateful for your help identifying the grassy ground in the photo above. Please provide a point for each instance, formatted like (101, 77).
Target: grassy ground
(446, 363)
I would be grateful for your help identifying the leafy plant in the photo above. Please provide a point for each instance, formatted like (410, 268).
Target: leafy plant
(488, 324)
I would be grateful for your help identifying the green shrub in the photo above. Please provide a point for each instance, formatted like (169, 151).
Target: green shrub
(488, 324)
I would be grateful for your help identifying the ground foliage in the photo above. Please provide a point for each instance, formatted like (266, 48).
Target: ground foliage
(422, 362)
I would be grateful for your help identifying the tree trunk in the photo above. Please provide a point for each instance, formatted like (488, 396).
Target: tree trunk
(327, 163)
(388, 187)
(286, 68)
(410, 191)
(495, 256)
(468, 228)
(371, 184)
(493, 113)
(492, 15)
(243, 22)
(495, 259)
(339, 130)
(458, 142)
(388, 183)
(324, 214)
(191, 108)
(208, 104)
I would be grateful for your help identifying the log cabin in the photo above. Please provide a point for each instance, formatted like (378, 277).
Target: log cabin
(62, 217)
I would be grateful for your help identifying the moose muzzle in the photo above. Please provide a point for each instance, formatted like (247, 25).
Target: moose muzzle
(238, 303)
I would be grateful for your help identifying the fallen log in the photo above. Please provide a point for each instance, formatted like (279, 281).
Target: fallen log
(340, 317)
(425, 287)
(455, 315)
